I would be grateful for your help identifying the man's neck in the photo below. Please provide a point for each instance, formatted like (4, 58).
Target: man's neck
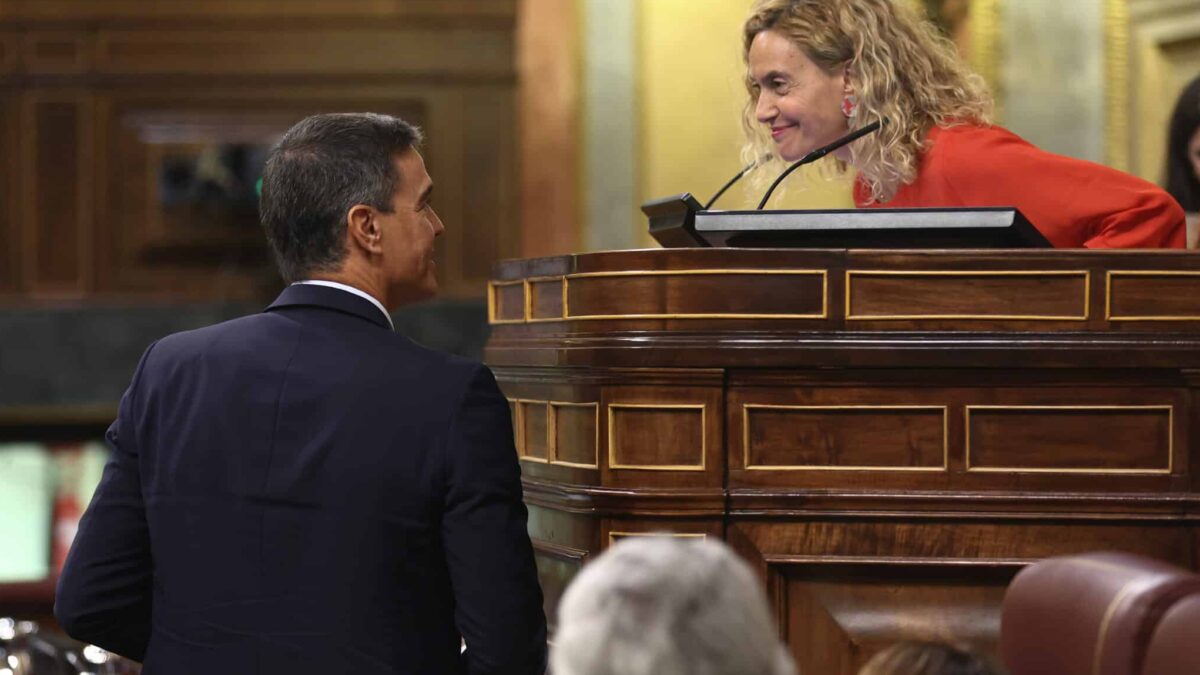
(360, 281)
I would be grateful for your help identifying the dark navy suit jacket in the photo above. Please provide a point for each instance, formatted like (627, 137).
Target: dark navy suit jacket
(305, 491)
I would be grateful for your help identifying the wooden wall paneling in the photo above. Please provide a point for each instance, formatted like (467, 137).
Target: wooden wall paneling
(834, 437)
(1158, 296)
(549, 101)
(57, 156)
(489, 180)
(841, 614)
(556, 568)
(436, 12)
(814, 431)
(713, 293)
(57, 52)
(103, 226)
(662, 436)
(575, 434)
(444, 155)
(1187, 456)
(1071, 438)
(972, 429)
(1044, 295)
(364, 51)
(10, 231)
(846, 588)
(558, 428)
(562, 544)
(152, 250)
(453, 62)
(147, 250)
(688, 529)
(9, 51)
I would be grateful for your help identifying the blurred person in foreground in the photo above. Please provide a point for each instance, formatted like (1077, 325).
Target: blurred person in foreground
(819, 69)
(665, 606)
(304, 490)
(1183, 157)
(929, 658)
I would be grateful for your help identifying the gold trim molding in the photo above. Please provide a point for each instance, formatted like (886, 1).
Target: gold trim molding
(523, 449)
(1083, 316)
(1074, 470)
(748, 407)
(1108, 295)
(566, 311)
(552, 433)
(491, 301)
(614, 536)
(612, 448)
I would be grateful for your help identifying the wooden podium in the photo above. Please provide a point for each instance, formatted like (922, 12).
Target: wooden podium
(887, 436)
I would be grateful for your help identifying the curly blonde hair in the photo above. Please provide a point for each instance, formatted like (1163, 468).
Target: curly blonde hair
(901, 68)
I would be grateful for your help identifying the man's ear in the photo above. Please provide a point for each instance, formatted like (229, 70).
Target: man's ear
(362, 228)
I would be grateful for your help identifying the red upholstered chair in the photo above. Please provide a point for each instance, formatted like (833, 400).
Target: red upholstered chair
(1090, 614)
(1175, 646)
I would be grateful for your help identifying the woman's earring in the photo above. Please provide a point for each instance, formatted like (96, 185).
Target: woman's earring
(849, 105)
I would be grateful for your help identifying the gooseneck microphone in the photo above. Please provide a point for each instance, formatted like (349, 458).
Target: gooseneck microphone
(818, 154)
(745, 170)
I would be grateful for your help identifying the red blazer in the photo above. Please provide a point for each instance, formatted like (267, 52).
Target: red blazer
(1074, 203)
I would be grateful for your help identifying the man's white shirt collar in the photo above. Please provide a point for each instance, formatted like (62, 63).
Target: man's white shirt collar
(350, 289)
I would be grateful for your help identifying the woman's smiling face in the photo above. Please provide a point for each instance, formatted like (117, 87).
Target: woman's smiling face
(800, 102)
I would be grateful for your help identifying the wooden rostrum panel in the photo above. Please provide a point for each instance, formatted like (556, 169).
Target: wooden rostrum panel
(888, 437)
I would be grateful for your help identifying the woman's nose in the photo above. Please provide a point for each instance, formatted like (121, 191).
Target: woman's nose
(764, 108)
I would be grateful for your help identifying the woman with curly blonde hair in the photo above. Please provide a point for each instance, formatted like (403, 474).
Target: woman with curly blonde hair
(818, 69)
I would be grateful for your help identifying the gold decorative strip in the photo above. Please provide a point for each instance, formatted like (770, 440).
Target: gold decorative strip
(1117, 84)
(1108, 295)
(614, 536)
(529, 318)
(746, 408)
(524, 448)
(1074, 470)
(1082, 316)
(774, 559)
(552, 433)
(491, 300)
(612, 448)
(712, 272)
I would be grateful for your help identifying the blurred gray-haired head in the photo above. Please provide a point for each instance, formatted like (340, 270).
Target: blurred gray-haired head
(666, 606)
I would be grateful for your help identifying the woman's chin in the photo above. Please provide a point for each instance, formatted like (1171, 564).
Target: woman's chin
(789, 157)
(789, 152)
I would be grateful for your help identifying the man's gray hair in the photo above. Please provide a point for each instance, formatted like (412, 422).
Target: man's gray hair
(667, 606)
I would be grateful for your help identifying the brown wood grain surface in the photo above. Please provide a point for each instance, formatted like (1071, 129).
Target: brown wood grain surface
(886, 476)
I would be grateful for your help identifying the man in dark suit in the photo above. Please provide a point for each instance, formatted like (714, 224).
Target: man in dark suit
(303, 490)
